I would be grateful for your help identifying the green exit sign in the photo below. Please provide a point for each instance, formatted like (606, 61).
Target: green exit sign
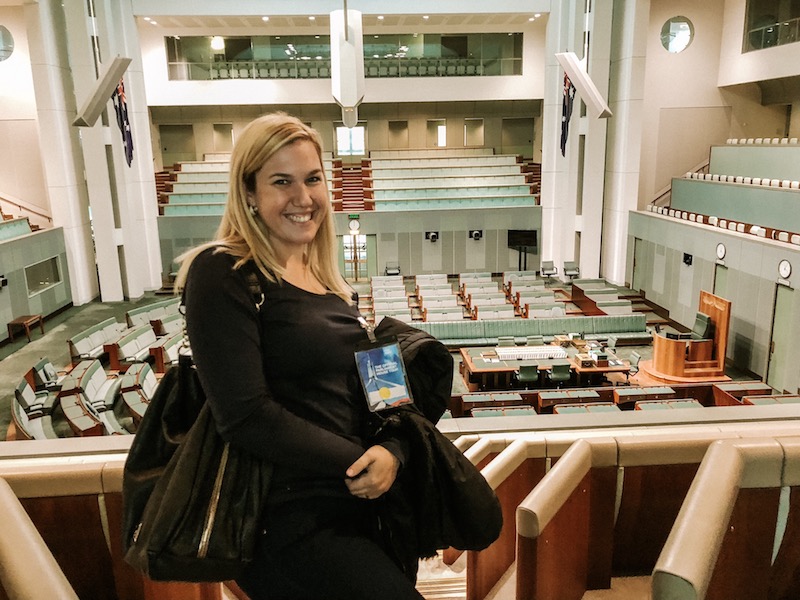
(353, 217)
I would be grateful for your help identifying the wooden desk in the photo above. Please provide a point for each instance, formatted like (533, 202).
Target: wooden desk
(593, 374)
(25, 322)
(482, 371)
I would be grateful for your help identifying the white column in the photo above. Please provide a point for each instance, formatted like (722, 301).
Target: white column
(136, 192)
(626, 94)
(572, 185)
(93, 144)
(558, 196)
(60, 143)
(598, 23)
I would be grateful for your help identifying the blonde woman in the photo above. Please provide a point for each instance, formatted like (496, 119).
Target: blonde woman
(280, 378)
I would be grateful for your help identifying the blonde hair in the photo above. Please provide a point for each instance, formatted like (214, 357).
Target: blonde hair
(245, 236)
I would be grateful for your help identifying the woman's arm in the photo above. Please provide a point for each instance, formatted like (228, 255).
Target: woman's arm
(223, 327)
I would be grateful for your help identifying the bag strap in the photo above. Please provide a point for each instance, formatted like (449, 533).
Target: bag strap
(253, 285)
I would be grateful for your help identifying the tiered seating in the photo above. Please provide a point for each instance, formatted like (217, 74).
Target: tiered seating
(32, 412)
(389, 298)
(137, 386)
(757, 141)
(165, 351)
(750, 188)
(88, 344)
(90, 387)
(485, 332)
(201, 187)
(425, 180)
(156, 311)
(133, 347)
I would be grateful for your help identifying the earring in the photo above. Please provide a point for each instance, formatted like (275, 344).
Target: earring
(253, 210)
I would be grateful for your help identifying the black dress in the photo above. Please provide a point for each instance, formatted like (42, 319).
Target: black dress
(281, 383)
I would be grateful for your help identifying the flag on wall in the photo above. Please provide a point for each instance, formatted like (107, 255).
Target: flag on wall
(121, 108)
(566, 112)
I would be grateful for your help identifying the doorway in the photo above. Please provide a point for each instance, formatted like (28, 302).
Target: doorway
(780, 347)
(637, 278)
(357, 256)
(177, 143)
(721, 281)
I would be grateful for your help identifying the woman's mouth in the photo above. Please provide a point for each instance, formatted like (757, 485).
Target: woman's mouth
(299, 218)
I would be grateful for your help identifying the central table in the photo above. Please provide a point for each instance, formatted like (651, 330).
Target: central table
(483, 371)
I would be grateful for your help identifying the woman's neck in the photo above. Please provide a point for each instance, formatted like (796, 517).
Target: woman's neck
(297, 272)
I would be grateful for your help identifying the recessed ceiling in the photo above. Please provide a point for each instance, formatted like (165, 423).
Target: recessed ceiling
(322, 22)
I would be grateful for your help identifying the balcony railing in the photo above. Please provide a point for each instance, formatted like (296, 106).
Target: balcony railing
(774, 34)
(316, 69)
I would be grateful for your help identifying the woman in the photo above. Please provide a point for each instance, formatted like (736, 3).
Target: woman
(280, 376)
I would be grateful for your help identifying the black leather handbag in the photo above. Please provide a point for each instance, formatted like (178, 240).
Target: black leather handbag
(192, 504)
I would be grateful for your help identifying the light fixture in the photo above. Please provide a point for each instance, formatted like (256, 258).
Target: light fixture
(146, 18)
(537, 15)
(265, 19)
(153, 22)
(425, 17)
(312, 18)
(217, 42)
(531, 18)
(380, 17)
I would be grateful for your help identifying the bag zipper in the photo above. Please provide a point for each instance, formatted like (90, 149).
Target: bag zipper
(205, 538)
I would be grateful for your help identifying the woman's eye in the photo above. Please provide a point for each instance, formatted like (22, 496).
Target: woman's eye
(314, 179)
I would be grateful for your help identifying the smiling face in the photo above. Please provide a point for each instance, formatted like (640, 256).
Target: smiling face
(291, 197)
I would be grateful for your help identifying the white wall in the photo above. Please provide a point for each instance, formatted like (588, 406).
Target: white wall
(21, 174)
(685, 112)
(736, 67)
(163, 92)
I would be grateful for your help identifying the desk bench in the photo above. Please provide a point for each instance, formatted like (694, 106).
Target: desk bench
(25, 322)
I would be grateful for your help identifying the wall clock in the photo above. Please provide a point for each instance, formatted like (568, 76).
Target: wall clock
(785, 269)
(720, 251)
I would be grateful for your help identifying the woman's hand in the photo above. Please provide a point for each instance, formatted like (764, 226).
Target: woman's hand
(373, 473)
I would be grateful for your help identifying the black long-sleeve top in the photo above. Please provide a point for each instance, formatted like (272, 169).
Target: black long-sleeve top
(281, 381)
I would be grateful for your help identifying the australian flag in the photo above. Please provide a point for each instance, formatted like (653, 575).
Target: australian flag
(566, 112)
(121, 108)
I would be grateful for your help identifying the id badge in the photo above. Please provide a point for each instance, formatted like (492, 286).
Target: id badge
(383, 374)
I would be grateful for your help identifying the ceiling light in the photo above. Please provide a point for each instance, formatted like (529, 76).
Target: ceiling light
(537, 15)
(380, 17)
(531, 18)
(426, 17)
(146, 18)
(312, 18)
(265, 19)
(218, 43)
(153, 22)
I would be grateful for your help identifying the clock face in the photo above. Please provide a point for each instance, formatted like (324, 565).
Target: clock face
(720, 251)
(354, 225)
(785, 269)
